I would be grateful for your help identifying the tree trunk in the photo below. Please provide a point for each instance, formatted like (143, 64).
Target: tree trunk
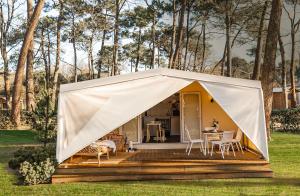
(116, 39)
(204, 46)
(187, 35)
(153, 39)
(101, 53)
(196, 51)
(45, 58)
(292, 70)
(74, 48)
(16, 102)
(228, 39)
(173, 35)
(3, 44)
(30, 101)
(258, 53)
(180, 35)
(268, 68)
(6, 78)
(138, 51)
(92, 57)
(283, 70)
(57, 58)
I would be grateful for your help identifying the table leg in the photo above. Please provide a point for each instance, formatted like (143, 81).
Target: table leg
(159, 127)
(148, 134)
(206, 145)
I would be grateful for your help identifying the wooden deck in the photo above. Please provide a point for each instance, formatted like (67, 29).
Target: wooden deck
(162, 165)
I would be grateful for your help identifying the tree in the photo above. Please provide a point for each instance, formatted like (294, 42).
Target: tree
(258, 53)
(179, 39)
(21, 62)
(138, 19)
(173, 38)
(118, 7)
(294, 28)
(283, 70)
(268, 68)
(57, 59)
(30, 102)
(8, 40)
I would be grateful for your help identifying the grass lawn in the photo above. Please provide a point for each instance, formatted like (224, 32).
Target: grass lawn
(284, 156)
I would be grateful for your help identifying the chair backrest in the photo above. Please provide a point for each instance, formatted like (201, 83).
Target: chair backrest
(239, 135)
(227, 135)
(187, 133)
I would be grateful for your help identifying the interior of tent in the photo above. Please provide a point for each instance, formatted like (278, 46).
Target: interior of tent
(191, 107)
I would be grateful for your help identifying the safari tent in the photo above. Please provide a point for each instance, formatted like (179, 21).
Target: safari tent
(124, 104)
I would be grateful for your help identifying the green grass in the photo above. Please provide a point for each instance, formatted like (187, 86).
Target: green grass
(284, 156)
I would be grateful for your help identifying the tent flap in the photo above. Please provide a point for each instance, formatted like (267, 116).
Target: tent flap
(113, 106)
(245, 107)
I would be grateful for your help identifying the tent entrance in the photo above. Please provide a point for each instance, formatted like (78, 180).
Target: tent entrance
(167, 113)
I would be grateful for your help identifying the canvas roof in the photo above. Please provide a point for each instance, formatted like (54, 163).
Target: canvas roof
(89, 110)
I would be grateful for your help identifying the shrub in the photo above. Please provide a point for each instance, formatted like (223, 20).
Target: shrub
(32, 155)
(5, 122)
(287, 120)
(35, 164)
(37, 173)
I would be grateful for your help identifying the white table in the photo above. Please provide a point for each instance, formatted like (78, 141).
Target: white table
(158, 130)
(206, 139)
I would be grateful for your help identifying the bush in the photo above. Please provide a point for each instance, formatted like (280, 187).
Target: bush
(37, 173)
(287, 120)
(5, 122)
(35, 164)
(32, 155)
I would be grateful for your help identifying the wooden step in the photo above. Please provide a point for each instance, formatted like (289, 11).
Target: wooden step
(102, 178)
(176, 170)
(164, 170)
(166, 163)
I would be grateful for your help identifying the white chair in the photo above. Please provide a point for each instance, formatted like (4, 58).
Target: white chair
(224, 144)
(237, 140)
(192, 141)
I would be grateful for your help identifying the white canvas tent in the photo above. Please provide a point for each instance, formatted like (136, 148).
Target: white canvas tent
(91, 109)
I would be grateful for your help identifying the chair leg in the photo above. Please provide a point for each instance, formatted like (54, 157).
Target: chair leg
(222, 147)
(190, 148)
(201, 147)
(212, 149)
(99, 155)
(187, 147)
(241, 147)
(232, 149)
(237, 146)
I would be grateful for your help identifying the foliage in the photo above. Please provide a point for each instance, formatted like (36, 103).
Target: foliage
(5, 122)
(44, 115)
(287, 120)
(32, 155)
(37, 173)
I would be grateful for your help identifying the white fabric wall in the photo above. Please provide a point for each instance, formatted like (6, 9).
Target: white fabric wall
(245, 107)
(87, 114)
